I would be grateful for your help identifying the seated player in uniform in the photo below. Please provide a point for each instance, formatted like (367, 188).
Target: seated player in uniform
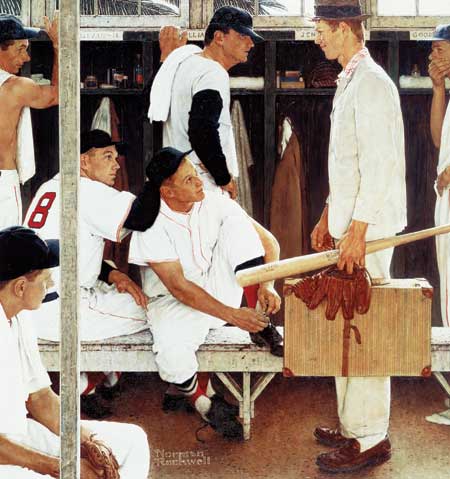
(111, 304)
(29, 448)
(197, 242)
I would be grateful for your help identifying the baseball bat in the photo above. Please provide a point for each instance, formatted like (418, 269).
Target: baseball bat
(310, 262)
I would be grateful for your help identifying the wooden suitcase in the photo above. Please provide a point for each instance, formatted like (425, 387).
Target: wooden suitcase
(392, 339)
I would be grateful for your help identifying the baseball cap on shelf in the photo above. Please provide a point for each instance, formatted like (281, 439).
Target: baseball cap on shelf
(23, 251)
(99, 139)
(338, 10)
(12, 28)
(442, 33)
(237, 19)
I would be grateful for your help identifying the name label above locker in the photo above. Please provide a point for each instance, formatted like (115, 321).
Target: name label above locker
(310, 34)
(421, 35)
(95, 36)
(194, 35)
(305, 34)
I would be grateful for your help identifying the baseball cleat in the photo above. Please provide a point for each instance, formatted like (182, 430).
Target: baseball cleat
(91, 405)
(109, 393)
(223, 422)
(269, 336)
(176, 402)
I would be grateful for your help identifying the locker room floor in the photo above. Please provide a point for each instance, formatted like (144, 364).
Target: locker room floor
(282, 445)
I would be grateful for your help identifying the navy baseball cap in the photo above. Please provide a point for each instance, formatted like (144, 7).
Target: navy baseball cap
(164, 164)
(442, 33)
(237, 19)
(12, 28)
(99, 139)
(23, 251)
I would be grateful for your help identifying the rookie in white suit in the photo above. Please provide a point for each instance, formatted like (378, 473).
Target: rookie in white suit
(189, 256)
(367, 200)
(30, 447)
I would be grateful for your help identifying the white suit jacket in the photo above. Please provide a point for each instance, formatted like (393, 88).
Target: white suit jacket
(366, 161)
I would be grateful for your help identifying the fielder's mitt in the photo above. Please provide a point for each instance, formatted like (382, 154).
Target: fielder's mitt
(100, 457)
(349, 291)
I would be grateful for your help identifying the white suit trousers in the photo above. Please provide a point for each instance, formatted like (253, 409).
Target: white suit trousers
(364, 403)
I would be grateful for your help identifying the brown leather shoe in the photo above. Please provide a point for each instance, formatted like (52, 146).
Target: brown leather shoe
(348, 458)
(329, 437)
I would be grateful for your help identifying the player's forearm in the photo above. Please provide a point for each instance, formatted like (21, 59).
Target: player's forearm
(44, 406)
(437, 114)
(204, 137)
(15, 454)
(197, 298)
(142, 214)
(269, 242)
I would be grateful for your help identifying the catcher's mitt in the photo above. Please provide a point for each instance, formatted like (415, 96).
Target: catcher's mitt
(100, 457)
(349, 291)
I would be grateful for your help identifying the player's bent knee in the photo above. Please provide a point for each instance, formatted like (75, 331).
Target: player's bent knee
(176, 364)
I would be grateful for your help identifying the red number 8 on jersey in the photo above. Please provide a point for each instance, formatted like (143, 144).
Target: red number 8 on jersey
(40, 213)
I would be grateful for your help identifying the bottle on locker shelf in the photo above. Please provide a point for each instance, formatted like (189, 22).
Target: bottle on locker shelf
(138, 72)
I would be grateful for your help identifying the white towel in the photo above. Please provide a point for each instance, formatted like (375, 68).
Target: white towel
(102, 117)
(26, 166)
(161, 91)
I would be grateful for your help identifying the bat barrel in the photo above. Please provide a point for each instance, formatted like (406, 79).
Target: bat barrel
(303, 264)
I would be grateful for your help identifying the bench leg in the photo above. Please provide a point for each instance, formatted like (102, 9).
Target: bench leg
(246, 404)
(442, 381)
(246, 395)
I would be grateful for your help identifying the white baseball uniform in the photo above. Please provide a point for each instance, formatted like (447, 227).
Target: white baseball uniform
(23, 372)
(104, 312)
(192, 74)
(209, 242)
(10, 199)
(442, 217)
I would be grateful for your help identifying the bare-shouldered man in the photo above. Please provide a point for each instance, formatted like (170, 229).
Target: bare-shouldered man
(17, 95)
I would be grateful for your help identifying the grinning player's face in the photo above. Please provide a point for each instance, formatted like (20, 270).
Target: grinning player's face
(100, 164)
(236, 46)
(185, 187)
(13, 58)
(35, 288)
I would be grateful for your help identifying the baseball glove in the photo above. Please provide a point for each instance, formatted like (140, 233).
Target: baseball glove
(100, 457)
(342, 290)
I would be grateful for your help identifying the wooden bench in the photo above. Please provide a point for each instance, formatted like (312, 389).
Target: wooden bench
(226, 350)
(440, 355)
